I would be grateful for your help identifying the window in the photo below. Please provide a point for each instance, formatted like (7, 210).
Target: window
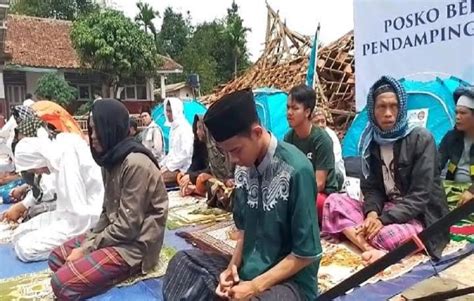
(130, 92)
(135, 92)
(84, 92)
(141, 92)
(15, 94)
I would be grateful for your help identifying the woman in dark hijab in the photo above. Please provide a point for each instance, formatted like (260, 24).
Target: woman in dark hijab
(130, 231)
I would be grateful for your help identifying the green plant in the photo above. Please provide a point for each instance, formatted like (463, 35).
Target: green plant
(57, 9)
(53, 87)
(113, 45)
(84, 109)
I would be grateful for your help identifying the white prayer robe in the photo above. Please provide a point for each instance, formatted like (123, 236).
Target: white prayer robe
(180, 140)
(79, 188)
(28, 102)
(7, 132)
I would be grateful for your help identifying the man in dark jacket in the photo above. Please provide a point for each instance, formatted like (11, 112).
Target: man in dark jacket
(401, 181)
(416, 191)
(457, 147)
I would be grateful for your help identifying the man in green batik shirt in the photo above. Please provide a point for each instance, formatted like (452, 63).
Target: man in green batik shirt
(278, 247)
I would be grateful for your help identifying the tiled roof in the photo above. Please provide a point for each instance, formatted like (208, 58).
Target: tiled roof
(46, 43)
(169, 64)
(38, 42)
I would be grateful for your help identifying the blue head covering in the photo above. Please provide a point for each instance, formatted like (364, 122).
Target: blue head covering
(373, 131)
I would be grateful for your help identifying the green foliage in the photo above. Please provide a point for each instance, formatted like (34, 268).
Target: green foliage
(110, 43)
(216, 50)
(235, 33)
(203, 53)
(58, 9)
(145, 18)
(175, 33)
(84, 109)
(53, 87)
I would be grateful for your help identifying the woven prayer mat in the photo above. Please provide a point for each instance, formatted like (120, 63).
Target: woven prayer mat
(453, 192)
(176, 200)
(217, 238)
(341, 260)
(463, 229)
(158, 271)
(6, 232)
(194, 213)
(36, 286)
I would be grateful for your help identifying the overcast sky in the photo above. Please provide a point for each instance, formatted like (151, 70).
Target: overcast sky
(335, 16)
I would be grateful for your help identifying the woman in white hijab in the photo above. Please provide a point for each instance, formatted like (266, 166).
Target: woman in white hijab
(79, 188)
(181, 140)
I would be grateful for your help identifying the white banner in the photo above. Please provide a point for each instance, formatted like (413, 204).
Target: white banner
(416, 39)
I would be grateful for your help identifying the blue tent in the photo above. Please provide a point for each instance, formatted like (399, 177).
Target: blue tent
(271, 109)
(192, 107)
(436, 96)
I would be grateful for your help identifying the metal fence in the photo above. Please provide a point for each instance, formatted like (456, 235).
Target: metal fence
(83, 122)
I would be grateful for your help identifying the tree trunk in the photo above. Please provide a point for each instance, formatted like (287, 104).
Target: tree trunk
(109, 88)
(105, 90)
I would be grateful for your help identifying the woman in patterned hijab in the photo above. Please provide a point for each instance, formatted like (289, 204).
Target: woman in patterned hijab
(30, 126)
(22, 112)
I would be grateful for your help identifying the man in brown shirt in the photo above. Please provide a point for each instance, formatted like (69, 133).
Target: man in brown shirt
(129, 234)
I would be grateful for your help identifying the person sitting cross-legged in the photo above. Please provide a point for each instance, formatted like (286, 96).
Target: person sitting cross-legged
(181, 139)
(457, 147)
(128, 237)
(313, 141)
(38, 194)
(278, 247)
(401, 181)
(211, 171)
(79, 188)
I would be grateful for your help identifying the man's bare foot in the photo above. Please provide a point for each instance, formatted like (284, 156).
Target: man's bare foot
(371, 256)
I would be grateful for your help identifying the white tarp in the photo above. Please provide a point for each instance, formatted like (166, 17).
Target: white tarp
(410, 38)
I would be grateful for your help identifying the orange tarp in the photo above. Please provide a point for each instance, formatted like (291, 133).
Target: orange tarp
(57, 116)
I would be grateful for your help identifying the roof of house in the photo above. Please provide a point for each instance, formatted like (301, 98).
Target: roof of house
(46, 43)
(39, 42)
(169, 65)
(172, 87)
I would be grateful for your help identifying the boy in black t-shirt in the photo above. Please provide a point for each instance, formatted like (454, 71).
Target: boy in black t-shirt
(313, 141)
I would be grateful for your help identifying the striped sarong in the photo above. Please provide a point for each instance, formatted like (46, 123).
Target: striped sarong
(342, 212)
(91, 275)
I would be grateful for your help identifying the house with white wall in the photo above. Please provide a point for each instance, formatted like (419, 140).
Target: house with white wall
(35, 46)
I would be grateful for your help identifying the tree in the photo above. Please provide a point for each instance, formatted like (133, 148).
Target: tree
(216, 50)
(53, 87)
(204, 65)
(145, 18)
(58, 9)
(204, 53)
(175, 33)
(112, 44)
(236, 35)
